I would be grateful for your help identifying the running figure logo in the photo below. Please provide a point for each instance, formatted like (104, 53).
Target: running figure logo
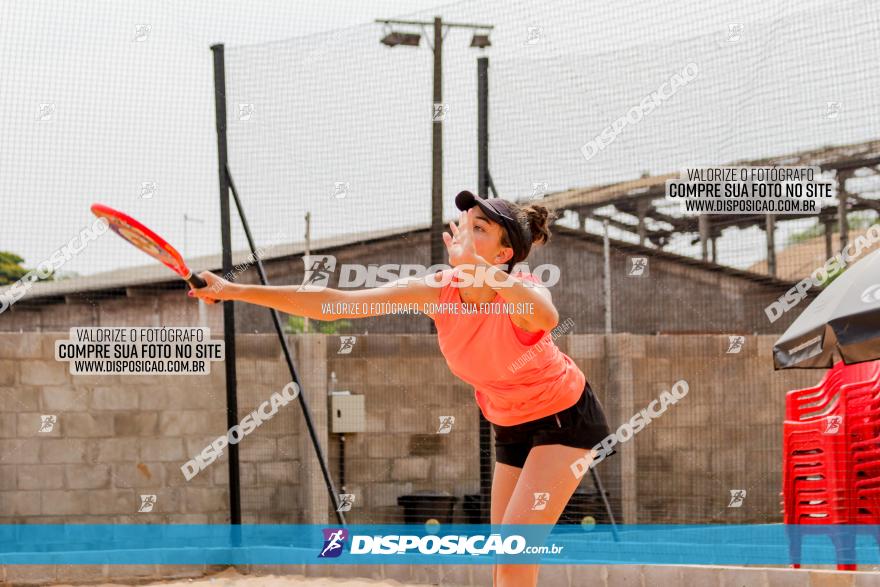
(346, 500)
(245, 111)
(346, 344)
(141, 32)
(46, 112)
(440, 111)
(734, 32)
(334, 541)
(832, 110)
(638, 266)
(446, 424)
(541, 500)
(147, 503)
(737, 497)
(317, 273)
(47, 422)
(534, 35)
(340, 189)
(736, 344)
(148, 189)
(832, 424)
(539, 190)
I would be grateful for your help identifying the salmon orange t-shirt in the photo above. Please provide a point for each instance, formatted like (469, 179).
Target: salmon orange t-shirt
(517, 376)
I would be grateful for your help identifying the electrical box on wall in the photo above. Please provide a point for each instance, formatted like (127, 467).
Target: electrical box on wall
(347, 414)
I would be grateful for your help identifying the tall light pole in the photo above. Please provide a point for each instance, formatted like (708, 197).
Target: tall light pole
(393, 39)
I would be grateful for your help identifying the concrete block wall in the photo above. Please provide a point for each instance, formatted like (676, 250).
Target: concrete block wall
(408, 388)
(281, 481)
(157, 307)
(726, 434)
(116, 438)
(119, 437)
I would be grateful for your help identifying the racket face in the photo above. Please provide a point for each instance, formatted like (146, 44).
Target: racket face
(142, 237)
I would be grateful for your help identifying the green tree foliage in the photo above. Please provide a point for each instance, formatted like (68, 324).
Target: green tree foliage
(296, 325)
(855, 221)
(10, 268)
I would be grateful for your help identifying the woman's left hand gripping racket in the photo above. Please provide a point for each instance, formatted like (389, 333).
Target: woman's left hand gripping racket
(149, 242)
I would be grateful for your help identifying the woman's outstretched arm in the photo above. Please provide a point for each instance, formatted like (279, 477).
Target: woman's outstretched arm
(294, 299)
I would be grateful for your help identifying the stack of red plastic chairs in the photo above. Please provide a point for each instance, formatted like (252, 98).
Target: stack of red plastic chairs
(831, 452)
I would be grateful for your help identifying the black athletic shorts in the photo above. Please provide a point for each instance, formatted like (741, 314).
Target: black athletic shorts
(583, 425)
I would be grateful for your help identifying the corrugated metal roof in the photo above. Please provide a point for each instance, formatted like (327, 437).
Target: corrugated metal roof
(844, 156)
(155, 274)
(674, 257)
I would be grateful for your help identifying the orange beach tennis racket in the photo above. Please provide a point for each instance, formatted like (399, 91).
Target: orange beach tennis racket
(147, 241)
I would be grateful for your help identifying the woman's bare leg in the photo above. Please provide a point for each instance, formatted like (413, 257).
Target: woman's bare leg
(503, 483)
(547, 470)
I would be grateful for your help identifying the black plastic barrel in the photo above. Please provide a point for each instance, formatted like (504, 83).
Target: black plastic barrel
(472, 508)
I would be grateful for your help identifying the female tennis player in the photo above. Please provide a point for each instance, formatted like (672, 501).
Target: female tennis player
(542, 410)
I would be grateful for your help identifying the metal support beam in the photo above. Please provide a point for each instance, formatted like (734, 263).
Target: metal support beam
(705, 226)
(770, 229)
(642, 207)
(828, 223)
(842, 201)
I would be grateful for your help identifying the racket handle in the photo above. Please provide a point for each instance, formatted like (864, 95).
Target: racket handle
(196, 281)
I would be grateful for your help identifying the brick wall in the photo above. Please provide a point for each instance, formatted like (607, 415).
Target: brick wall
(725, 434)
(119, 437)
(408, 387)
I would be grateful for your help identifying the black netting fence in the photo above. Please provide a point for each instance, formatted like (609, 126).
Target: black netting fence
(330, 151)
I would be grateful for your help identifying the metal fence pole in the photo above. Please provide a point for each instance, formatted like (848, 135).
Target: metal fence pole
(228, 307)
